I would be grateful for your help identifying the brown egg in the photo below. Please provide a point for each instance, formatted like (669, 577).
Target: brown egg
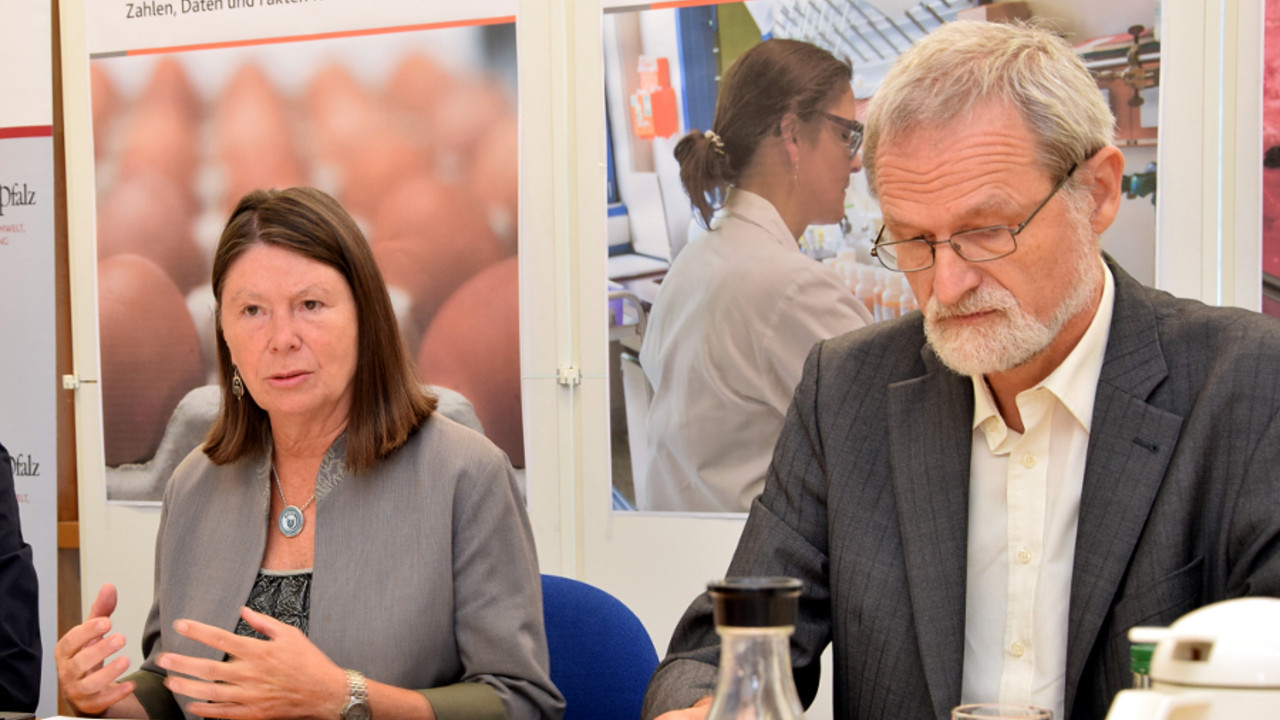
(381, 158)
(462, 118)
(144, 214)
(417, 84)
(430, 237)
(150, 355)
(105, 100)
(254, 137)
(170, 85)
(250, 102)
(266, 174)
(496, 181)
(473, 346)
(339, 109)
(159, 138)
(419, 203)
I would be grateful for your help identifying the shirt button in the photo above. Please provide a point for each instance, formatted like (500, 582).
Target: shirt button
(1028, 461)
(1017, 649)
(1024, 556)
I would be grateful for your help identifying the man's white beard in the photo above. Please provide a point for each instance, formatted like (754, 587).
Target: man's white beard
(1011, 336)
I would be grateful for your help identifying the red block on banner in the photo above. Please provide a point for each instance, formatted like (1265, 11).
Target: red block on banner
(653, 105)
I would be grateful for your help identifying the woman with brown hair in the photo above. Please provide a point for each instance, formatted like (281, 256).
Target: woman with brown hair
(336, 541)
(742, 305)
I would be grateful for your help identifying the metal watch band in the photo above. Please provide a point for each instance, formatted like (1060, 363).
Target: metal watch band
(356, 687)
(357, 692)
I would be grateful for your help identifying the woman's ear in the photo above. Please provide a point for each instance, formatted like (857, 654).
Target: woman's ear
(789, 128)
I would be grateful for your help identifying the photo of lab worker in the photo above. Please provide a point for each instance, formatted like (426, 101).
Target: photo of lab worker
(742, 305)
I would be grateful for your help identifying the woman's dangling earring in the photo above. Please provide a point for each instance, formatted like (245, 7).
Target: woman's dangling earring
(237, 385)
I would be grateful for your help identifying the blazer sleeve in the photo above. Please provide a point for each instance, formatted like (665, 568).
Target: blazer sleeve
(1254, 535)
(148, 680)
(498, 604)
(785, 535)
(20, 650)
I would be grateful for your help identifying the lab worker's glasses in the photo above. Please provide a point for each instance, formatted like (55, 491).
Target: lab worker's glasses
(977, 245)
(850, 132)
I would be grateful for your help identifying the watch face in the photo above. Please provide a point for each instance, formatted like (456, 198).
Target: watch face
(356, 710)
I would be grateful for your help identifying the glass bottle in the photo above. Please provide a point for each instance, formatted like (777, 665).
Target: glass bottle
(1140, 663)
(755, 618)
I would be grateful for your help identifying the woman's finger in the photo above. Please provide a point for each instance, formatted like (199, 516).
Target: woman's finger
(80, 637)
(265, 624)
(201, 668)
(214, 692)
(89, 659)
(226, 711)
(216, 638)
(98, 704)
(105, 602)
(96, 691)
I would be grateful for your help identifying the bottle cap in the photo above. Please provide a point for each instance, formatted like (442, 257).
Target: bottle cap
(1140, 657)
(755, 601)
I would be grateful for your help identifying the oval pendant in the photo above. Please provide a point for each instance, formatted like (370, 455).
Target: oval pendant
(290, 521)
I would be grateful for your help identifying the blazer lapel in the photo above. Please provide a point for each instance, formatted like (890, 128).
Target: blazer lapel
(225, 585)
(930, 430)
(1130, 445)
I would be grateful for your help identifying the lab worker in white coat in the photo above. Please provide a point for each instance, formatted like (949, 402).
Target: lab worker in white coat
(742, 305)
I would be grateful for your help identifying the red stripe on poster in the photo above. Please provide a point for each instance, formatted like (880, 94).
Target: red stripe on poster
(325, 36)
(27, 131)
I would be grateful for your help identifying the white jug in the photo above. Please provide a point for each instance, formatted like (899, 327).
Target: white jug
(1221, 662)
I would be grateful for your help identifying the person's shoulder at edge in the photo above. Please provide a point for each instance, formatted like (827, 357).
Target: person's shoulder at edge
(437, 432)
(189, 472)
(1230, 328)
(441, 432)
(774, 275)
(450, 449)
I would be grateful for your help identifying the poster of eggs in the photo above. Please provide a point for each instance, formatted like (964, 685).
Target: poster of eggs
(412, 129)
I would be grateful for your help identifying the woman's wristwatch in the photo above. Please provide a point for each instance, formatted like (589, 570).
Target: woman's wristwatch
(357, 707)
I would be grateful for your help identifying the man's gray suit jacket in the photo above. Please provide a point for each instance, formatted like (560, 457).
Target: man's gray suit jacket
(867, 502)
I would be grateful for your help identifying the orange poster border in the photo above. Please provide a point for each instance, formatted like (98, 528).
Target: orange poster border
(498, 20)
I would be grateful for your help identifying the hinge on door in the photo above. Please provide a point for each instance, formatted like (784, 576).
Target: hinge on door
(568, 375)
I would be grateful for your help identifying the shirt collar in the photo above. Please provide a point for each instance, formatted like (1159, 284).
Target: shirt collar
(752, 208)
(1074, 382)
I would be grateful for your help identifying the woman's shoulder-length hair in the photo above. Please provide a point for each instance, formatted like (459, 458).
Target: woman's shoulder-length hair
(388, 404)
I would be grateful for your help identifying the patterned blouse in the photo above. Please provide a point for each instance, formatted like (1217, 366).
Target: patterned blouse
(284, 595)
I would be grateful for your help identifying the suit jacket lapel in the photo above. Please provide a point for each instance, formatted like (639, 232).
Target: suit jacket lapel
(1129, 449)
(930, 430)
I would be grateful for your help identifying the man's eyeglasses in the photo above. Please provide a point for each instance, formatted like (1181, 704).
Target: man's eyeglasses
(977, 245)
(850, 132)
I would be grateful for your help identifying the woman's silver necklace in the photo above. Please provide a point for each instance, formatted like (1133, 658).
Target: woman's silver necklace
(290, 520)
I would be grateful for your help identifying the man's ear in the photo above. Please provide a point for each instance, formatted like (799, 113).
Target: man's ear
(1106, 172)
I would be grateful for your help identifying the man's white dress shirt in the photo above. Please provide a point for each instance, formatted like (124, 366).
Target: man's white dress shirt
(724, 349)
(1024, 501)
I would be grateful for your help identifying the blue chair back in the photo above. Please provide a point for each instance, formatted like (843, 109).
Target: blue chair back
(601, 655)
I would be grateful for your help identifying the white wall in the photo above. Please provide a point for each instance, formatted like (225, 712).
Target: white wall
(28, 374)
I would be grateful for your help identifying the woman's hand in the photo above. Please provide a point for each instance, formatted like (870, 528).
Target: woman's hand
(283, 676)
(89, 686)
(696, 711)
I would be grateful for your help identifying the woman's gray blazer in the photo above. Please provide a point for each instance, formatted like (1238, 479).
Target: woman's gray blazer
(425, 574)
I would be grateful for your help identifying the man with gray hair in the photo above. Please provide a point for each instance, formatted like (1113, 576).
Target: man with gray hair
(983, 497)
